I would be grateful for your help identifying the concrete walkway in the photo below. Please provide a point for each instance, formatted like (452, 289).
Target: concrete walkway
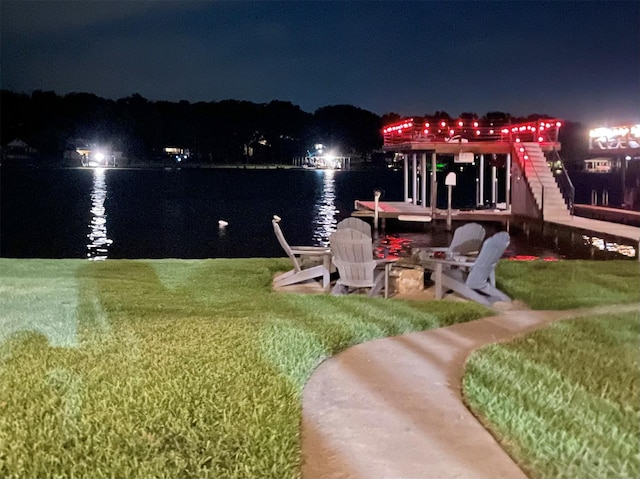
(392, 408)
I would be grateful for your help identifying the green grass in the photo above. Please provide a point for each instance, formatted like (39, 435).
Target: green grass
(564, 401)
(178, 368)
(170, 368)
(570, 284)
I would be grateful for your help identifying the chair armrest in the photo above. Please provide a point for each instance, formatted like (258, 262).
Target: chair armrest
(310, 250)
(463, 264)
(387, 260)
(448, 263)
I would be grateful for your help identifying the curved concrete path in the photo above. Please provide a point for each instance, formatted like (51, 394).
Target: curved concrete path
(392, 408)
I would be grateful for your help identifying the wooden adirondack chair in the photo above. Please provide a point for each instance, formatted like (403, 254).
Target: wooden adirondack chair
(466, 240)
(352, 253)
(296, 253)
(355, 224)
(476, 280)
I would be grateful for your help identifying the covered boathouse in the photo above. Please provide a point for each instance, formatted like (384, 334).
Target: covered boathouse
(517, 155)
(521, 155)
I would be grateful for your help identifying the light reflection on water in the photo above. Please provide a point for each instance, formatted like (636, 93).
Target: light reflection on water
(98, 242)
(325, 220)
(609, 246)
(153, 216)
(536, 245)
(402, 243)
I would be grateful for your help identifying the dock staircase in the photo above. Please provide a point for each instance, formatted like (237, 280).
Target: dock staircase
(542, 184)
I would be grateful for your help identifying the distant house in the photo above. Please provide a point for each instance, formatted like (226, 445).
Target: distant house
(176, 153)
(598, 165)
(93, 154)
(18, 150)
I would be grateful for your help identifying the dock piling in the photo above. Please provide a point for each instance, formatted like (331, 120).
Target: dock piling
(376, 203)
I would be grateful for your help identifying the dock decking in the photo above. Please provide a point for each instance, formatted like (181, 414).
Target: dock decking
(614, 215)
(396, 209)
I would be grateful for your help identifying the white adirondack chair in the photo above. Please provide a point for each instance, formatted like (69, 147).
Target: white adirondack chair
(466, 240)
(355, 224)
(352, 253)
(476, 280)
(296, 253)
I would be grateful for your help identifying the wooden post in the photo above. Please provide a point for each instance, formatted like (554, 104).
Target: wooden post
(423, 179)
(508, 183)
(405, 160)
(481, 179)
(376, 202)
(449, 188)
(494, 187)
(434, 185)
(414, 186)
(450, 182)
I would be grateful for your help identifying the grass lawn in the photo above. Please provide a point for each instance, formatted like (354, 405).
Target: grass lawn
(170, 368)
(570, 284)
(564, 401)
(178, 368)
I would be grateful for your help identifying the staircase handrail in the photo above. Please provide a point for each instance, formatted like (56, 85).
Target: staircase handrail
(564, 181)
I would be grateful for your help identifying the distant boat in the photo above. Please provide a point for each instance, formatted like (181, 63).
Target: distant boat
(321, 158)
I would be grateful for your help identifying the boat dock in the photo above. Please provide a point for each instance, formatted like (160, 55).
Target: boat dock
(615, 215)
(518, 156)
(400, 211)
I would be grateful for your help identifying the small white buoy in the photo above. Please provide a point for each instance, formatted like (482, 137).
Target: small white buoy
(222, 223)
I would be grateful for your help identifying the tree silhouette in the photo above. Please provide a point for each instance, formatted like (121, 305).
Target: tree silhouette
(228, 131)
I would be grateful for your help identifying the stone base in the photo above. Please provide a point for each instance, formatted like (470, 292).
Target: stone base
(406, 280)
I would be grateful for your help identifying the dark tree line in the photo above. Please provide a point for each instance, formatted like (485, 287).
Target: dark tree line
(229, 131)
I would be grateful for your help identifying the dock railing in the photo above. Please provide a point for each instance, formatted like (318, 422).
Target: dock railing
(564, 181)
(430, 130)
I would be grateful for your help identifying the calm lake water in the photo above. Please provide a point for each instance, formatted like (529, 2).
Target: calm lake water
(175, 213)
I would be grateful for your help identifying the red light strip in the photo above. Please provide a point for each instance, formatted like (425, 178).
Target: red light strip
(410, 129)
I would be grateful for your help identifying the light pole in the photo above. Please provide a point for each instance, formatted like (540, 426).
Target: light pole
(450, 182)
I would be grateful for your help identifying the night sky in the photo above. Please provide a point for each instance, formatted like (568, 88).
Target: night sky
(579, 61)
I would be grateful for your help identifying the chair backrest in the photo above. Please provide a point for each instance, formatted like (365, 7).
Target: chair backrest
(484, 265)
(352, 253)
(284, 244)
(355, 224)
(467, 238)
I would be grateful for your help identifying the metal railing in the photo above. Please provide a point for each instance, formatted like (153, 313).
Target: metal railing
(561, 176)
